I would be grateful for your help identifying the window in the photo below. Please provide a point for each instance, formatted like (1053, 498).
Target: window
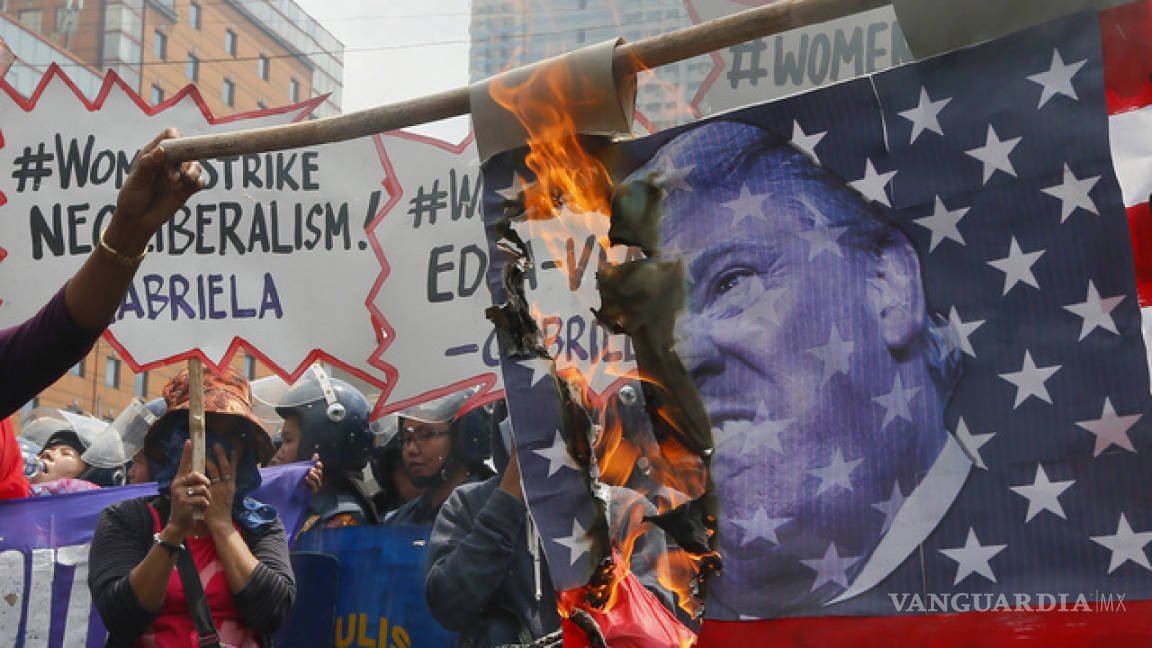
(194, 15)
(112, 372)
(193, 67)
(66, 18)
(294, 90)
(140, 384)
(30, 18)
(249, 367)
(262, 67)
(229, 92)
(160, 45)
(157, 94)
(230, 42)
(77, 369)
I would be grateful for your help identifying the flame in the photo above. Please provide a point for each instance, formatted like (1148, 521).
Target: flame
(569, 199)
(567, 176)
(678, 571)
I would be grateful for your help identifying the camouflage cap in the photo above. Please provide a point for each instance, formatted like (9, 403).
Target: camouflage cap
(226, 393)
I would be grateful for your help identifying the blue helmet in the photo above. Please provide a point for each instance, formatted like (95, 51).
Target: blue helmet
(333, 419)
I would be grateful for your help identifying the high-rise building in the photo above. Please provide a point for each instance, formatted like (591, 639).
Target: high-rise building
(511, 33)
(243, 55)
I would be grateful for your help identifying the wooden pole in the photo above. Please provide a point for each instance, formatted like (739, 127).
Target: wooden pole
(196, 416)
(629, 58)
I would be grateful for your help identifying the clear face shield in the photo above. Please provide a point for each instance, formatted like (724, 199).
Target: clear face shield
(123, 437)
(266, 396)
(440, 411)
(384, 429)
(41, 423)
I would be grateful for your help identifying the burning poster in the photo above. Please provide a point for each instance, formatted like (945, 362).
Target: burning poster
(870, 348)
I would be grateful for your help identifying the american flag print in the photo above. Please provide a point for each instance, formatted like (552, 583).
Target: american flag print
(912, 317)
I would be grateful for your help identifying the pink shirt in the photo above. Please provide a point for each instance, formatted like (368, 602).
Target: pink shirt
(174, 628)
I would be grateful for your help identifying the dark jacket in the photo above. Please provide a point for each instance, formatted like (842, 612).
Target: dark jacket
(123, 537)
(418, 512)
(422, 510)
(484, 578)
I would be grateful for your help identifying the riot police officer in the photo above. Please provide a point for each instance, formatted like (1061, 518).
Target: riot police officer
(328, 418)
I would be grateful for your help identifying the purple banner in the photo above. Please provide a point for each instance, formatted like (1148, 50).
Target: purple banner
(44, 600)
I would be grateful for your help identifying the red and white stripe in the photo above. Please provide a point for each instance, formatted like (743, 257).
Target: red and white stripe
(1126, 32)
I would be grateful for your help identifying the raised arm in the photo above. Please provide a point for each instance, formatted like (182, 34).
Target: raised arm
(469, 555)
(36, 353)
(152, 192)
(256, 566)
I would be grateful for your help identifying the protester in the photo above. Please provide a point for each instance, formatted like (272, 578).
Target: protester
(441, 450)
(36, 353)
(396, 487)
(487, 577)
(326, 419)
(487, 574)
(62, 469)
(239, 547)
(63, 464)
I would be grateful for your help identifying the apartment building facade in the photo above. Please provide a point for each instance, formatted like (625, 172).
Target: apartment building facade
(244, 55)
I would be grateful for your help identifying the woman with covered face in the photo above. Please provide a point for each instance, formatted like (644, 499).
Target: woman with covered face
(238, 548)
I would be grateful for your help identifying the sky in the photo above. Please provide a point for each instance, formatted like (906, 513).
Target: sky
(399, 49)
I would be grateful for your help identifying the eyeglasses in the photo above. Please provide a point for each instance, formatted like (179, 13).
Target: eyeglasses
(419, 437)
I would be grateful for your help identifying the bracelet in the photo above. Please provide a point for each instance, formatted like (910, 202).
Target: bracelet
(120, 257)
(172, 549)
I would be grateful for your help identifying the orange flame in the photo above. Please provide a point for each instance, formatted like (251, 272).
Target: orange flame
(566, 175)
(677, 571)
(572, 192)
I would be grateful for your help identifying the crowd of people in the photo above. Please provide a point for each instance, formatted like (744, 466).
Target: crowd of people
(201, 562)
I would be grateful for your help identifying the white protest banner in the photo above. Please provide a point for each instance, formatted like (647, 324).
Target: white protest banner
(272, 256)
(568, 250)
(368, 253)
(432, 294)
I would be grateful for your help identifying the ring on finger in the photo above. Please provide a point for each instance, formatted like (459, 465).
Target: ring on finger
(189, 492)
(226, 478)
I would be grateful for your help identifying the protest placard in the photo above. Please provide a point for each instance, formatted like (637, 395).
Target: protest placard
(364, 253)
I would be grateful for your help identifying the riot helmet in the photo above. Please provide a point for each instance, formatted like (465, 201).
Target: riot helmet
(470, 433)
(99, 447)
(332, 417)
